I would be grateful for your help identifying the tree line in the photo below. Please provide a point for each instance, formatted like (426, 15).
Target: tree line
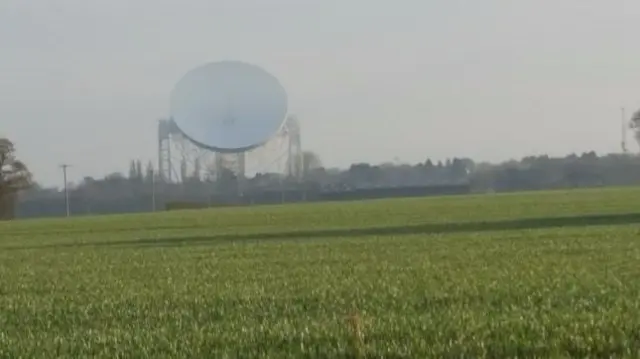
(141, 189)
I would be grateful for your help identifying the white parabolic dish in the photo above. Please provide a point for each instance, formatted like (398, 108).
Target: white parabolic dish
(228, 106)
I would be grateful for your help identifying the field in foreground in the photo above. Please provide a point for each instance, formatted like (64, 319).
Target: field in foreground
(550, 274)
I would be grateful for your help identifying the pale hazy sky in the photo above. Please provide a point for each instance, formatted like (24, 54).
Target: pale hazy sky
(84, 81)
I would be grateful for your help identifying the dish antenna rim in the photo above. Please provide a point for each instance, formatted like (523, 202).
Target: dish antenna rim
(270, 100)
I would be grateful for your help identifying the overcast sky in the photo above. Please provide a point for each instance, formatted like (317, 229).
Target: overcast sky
(84, 81)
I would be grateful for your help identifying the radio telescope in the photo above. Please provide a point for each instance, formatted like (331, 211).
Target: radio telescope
(228, 116)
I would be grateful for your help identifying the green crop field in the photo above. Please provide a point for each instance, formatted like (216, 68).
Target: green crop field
(548, 274)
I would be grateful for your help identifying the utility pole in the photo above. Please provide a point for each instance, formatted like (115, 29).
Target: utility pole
(66, 190)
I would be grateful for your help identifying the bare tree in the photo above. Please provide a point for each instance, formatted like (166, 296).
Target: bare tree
(14, 177)
(310, 161)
